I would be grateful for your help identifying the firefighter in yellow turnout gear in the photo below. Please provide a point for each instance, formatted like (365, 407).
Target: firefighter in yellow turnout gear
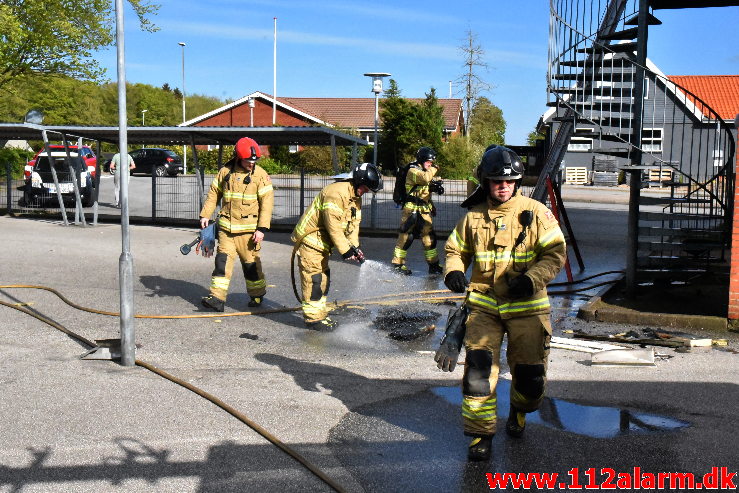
(330, 223)
(516, 248)
(416, 219)
(247, 199)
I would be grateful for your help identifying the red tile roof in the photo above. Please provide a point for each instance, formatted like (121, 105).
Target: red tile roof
(360, 112)
(720, 92)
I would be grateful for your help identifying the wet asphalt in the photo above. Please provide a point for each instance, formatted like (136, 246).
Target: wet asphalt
(374, 413)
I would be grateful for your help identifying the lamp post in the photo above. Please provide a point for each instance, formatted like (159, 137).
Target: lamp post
(377, 89)
(251, 111)
(184, 147)
(143, 121)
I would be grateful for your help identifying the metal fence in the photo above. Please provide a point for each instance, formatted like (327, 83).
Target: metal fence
(166, 200)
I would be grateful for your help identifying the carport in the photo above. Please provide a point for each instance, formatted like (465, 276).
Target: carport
(175, 136)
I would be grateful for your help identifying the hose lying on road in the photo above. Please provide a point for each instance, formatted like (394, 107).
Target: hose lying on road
(213, 399)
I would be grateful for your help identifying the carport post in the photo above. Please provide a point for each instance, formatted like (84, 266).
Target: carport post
(125, 261)
(302, 190)
(75, 182)
(98, 149)
(53, 175)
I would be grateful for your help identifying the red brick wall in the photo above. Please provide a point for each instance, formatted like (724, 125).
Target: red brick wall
(734, 276)
(239, 117)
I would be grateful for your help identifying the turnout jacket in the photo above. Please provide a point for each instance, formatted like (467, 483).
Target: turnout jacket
(417, 188)
(244, 206)
(332, 220)
(486, 237)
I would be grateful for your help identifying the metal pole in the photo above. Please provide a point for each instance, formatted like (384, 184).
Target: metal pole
(274, 79)
(184, 146)
(636, 129)
(125, 261)
(373, 201)
(8, 187)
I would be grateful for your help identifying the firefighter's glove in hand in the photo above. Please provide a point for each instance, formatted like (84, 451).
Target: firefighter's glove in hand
(451, 344)
(436, 186)
(353, 253)
(207, 244)
(520, 287)
(456, 282)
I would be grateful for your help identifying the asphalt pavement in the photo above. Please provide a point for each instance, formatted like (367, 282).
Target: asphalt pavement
(373, 413)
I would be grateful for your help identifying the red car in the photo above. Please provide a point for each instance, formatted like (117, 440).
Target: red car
(58, 152)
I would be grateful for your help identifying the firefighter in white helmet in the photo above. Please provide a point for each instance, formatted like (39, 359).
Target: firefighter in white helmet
(245, 191)
(516, 248)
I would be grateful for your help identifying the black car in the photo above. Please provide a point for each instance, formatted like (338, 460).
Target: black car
(40, 188)
(161, 162)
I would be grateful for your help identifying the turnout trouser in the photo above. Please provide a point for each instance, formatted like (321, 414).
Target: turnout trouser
(527, 354)
(315, 279)
(237, 246)
(421, 228)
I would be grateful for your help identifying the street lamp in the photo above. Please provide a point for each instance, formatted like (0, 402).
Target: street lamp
(377, 89)
(184, 147)
(143, 121)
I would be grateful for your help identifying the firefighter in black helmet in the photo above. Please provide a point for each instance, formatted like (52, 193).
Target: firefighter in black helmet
(516, 248)
(331, 223)
(418, 210)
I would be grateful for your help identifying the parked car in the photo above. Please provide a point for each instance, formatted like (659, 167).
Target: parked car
(40, 186)
(161, 162)
(58, 151)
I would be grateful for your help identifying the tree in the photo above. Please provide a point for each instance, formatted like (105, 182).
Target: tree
(459, 157)
(59, 37)
(406, 126)
(533, 137)
(470, 80)
(487, 125)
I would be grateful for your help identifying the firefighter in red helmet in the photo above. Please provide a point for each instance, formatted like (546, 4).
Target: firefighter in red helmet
(247, 199)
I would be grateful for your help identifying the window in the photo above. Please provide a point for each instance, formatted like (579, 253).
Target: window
(651, 139)
(718, 158)
(292, 149)
(580, 144)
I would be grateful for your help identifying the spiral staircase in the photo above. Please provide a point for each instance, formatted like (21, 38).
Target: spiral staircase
(604, 88)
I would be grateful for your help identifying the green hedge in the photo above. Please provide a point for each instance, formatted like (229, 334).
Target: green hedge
(17, 159)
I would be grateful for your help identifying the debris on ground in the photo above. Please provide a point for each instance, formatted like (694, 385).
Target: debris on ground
(624, 357)
(407, 323)
(654, 337)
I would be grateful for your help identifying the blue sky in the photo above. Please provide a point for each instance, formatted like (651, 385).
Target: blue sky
(323, 48)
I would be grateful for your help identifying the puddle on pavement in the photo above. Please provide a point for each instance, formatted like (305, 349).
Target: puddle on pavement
(591, 421)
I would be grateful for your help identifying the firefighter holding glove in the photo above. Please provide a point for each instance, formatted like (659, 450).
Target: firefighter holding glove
(247, 198)
(330, 223)
(516, 248)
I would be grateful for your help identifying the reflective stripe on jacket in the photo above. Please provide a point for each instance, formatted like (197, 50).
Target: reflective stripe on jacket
(333, 217)
(244, 207)
(417, 188)
(486, 236)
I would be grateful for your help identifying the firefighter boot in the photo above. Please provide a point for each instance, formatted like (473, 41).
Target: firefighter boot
(255, 301)
(213, 303)
(326, 324)
(401, 269)
(480, 448)
(516, 423)
(435, 269)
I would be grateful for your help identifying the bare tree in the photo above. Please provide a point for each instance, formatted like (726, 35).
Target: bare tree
(472, 84)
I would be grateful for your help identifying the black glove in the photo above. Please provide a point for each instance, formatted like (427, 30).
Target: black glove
(353, 252)
(520, 287)
(436, 186)
(456, 282)
(451, 344)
